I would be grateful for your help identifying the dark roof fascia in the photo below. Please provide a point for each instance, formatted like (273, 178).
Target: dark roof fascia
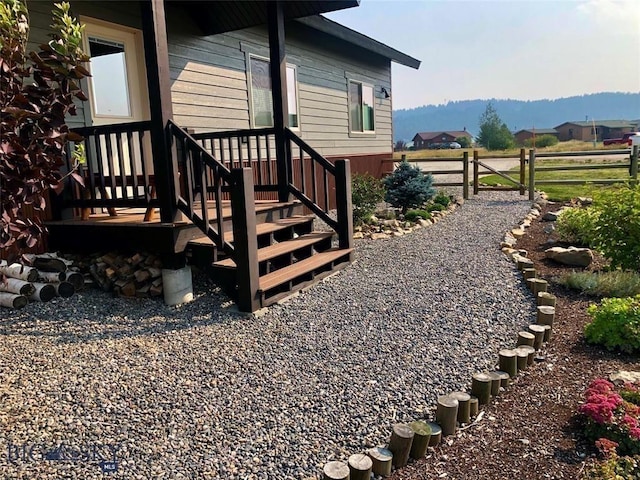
(543, 131)
(346, 34)
(602, 123)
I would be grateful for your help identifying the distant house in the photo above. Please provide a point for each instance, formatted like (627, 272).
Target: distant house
(589, 130)
(526, 134)
(429, 139)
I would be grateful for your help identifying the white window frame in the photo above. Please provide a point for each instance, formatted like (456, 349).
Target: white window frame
(290, 89)
(361, 133)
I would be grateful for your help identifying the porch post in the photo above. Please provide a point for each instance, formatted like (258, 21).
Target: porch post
(278, 70)
(156, 56)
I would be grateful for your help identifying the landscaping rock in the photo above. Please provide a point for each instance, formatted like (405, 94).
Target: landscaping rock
(378, 236)
(578, 257)
(549, 229)
(552, 216)
(623, 376)
(358, 235)
(585, 200)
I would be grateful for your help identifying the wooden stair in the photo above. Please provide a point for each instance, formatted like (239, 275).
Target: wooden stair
(291, 256)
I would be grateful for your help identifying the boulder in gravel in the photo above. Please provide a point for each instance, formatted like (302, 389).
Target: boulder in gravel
(623, 376)
(358, 235)
(424, 223)
(517, 232)
(377, 236)
(578, 257)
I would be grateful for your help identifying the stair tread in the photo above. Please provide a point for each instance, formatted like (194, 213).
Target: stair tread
(281, 248)
(285, 274)
(261, 228)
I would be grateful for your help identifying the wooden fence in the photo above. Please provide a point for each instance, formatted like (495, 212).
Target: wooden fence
(528, 161)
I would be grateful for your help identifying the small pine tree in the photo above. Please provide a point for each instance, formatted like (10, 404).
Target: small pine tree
(494, 133)
(407, 187)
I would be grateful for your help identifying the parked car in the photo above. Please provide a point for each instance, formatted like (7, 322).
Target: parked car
(625, 139)
(455, 145)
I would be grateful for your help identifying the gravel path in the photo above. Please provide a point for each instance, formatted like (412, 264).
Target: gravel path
(200, 391)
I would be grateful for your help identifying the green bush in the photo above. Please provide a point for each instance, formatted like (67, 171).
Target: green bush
(442, 198)
(434, 207)
(615, 324)
(615, 468)
(542, 141)
(465, 142)
(407, 187)
(617, 232)
(413, 215)
(577, 226)
(616, 283)
(366, 193)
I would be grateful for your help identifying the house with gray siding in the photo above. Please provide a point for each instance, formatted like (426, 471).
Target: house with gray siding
(217, 130)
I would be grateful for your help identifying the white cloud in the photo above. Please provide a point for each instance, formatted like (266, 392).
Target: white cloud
(618, 15)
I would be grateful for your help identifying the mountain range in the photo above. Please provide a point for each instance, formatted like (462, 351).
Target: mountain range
(517, 114)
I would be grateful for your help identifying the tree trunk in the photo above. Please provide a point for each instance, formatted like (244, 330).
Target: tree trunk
(360, 466)
(12, 300)
(546, 298)
(546, 315)
(507, 362)
(400, 444)
(464, 407)
(14, 285)
(526, 338)
(481, 387)
(44, 292)
(335, 471)
(421, 437)
(15, 270)
(381, 459)
(447, 414)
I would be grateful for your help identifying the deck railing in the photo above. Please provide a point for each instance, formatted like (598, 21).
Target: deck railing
(119, 167)
(253, 149)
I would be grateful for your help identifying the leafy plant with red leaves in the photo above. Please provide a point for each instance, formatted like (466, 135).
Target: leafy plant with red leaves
(37, 92)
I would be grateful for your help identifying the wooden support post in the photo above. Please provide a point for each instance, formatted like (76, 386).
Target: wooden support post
(421, 437)
(156, 53)
(344, 207)
(537, 285)
(507, 362)
(633, 168)
(545, 315)
(465, 175)
(529, 273)
(505, 379)
(436, 434)
(523, 161)
(481, 387)
(524, 262)
(464, 412)
(381, 459)
(400, 444)
(495, 383)
(245, 239)
(548, 332)
(447, 414)
(525, 338)
(476, 173)
(360, 466)
(538, 331)
(546, 298)
(531, 353)
(335, 471)
(278, 72)
(532, 175)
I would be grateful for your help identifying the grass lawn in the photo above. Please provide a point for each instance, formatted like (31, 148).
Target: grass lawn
(565, 192)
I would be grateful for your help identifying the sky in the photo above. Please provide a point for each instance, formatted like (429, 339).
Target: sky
(518, 49)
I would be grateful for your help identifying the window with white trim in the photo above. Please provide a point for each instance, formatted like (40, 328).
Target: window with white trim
(261, 99)
(361, 107)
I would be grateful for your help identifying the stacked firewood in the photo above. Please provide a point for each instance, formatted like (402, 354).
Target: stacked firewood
(137, 275)
(38, 278)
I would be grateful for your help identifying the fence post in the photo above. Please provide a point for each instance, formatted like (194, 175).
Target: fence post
(245, 239)
(633, 168)
(532, 174)
(476, 184)
(522, 167)
(465, 175)
(343, 203)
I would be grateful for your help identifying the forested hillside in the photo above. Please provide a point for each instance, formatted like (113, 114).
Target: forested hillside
(517, 114)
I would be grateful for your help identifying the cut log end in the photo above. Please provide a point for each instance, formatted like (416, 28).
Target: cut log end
(360, 466)
(400, 444)
(13, 300)
(447, 414)
(335, 471)
(421, 437)
(381, 460)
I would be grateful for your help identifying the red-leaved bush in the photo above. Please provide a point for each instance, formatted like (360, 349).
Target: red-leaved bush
(37, 91)
(613, 416)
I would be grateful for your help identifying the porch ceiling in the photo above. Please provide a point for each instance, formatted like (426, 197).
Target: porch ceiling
(227, 15)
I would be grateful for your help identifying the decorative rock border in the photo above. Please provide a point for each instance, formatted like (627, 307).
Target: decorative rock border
(398, 228)
(459, 410)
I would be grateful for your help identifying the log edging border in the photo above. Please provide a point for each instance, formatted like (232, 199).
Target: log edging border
(483, 385)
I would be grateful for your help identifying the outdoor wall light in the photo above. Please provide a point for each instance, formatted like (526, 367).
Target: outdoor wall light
(385, 92)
